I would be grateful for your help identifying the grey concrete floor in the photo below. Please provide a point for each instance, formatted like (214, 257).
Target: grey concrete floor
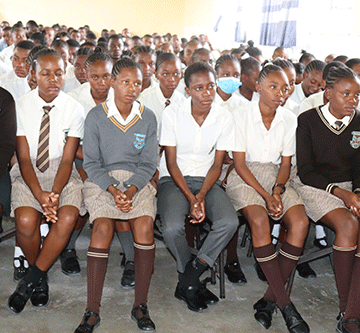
(315, 299)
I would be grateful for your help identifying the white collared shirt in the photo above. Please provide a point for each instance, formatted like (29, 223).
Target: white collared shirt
(83, 95)
(233, 103)
(16, 86)
(292, 106)
(152, 84)
(113, 111)
(70, 83)
(66, 119)
(6, 54)
(331, 119)
(262, 145)
(154, 99)
(195, 145)
(312, 101)
(298, 95)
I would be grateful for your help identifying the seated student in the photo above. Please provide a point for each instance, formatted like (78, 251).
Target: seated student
(17, 35)
(203, 55)
(15, 81)
(176, 44)
(279, 52)
(73, 48)
(328, 162)
(166, 47)
(31, 28)
(312, 82)
(91, 37)
(158, 97)
(329, 58)
(354, 64)
(255, 53)
(49, 35)
(189, 186)
(319, 98)
(44, 180)
(147, 40)
(146, 58)
(189, 49)
(265, 144)
(341, 58)
(115, 47)
(306, 58)
(39, 39)
(118, 189)
(79, 64)
(300, 69)
(250, 69)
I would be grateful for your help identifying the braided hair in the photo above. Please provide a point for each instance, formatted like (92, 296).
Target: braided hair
(98, 55)
(315, 65)
(163, 57)
(124, 63)
(270, 68)
(224, 58)
(283, 63)
(45, 52)
(338, 73)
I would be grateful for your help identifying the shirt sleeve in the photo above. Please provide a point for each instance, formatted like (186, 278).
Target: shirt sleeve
(304, 152)
(92, 155)
(8, 129)
(167, 135)
(148, 157)
(77, 126)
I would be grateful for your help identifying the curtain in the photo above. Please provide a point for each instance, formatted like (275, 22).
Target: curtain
(278, 27)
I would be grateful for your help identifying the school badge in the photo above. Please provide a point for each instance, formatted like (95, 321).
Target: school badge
(355, 141)
(139, 140)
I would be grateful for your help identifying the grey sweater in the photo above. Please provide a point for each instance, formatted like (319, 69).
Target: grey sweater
(109, 146)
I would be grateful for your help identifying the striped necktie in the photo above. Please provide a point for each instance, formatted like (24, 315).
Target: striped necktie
(338, 125)
(42, 159)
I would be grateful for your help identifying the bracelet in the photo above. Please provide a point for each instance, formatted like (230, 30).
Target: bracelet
(333, 189)
(283, 188)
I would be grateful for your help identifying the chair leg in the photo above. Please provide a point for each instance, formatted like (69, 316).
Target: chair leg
(245, 235)
(290, 281)
(222, 273)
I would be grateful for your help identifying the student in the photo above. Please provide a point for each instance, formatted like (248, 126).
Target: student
(115, 47)
(118, 189)
(312, 82)
(74, 46)
(341, 58)
(189, 186)
(166, 47)
(189, 49)
(255, 53)
(147, 40)
(158, 97)
(328, 163)
(49, 35)
(300, 69)
(265, 144)
(79, 64)
(17, 35)
(203, 55)
(280, 52)
(306, 58)
(354, 64)
(176, 44)
(44, 180)
(15, 80)
(31, 28)
(39, 39)
(146, 58)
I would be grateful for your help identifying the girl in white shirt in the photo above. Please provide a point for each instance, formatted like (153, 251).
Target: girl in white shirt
(265, 144)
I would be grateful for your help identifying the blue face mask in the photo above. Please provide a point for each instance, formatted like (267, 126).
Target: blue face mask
(228, 84)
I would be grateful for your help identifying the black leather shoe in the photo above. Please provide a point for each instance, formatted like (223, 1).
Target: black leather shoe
(294, 321)
(84, 326)
(40, 295)
(144, 323)
(207, 295)
(128, 278)
(20, 296)
(20, 272)
(318, 244)
(69, 262)
(234, 273)
(260, 272)
(192, 296)
(263, 312)
(342, 326)
(305, 271)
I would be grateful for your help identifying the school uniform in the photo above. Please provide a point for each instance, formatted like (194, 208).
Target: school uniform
(181, 88)
(6, 54)
(298, 95)
(152, 84)
(312, 101)
(66, 119)
(292, 106)
(232, 104)
(3, 44)
(264, 150)
(70, 84)
(255, 97)
(121, 153)
(17, 86)
(4, 68)
(195, 152)
(326, 157)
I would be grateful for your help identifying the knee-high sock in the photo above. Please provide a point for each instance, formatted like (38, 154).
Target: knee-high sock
(97, 260)
(343, 265)
(269, 263)
(352, 310)
(144, 263)
(288, 258)
(231, 254)
(126, 240)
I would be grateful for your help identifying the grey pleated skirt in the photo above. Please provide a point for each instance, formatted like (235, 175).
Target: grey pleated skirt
(243, 195)
(319, 202)
(101, 203)
(21, 195)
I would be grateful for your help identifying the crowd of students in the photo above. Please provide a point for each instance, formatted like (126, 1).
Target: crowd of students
(122, 129)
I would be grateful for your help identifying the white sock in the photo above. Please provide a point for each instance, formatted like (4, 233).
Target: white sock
(276, 233)
(44, 229)
(17, 253)
(320, 233)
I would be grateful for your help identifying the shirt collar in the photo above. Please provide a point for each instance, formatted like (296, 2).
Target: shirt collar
(330, 118)
(113, 110)
(257, 115)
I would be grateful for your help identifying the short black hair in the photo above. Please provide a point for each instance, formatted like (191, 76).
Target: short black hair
(247, 65)
(352, 62)
(224, 58)
(25, 44)
(39, 36)
(198, 67)
(42, 53)
(59, 43)
(163, 57)
(73, 43)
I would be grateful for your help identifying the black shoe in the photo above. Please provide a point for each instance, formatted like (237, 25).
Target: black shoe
(69, 262)
(20, 296)
(20, 272)
(318, 244)
(263, 312)
(305, 271)
(207, 295)
(341, 326)
(85, 327)
(192, 296)
(234, 273)
(128, 278)
(144, 323)
(294, 321)
(40, 295)
(260, 272)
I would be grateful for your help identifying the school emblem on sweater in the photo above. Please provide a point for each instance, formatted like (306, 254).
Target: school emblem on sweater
(355, 141)
(139, 140)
